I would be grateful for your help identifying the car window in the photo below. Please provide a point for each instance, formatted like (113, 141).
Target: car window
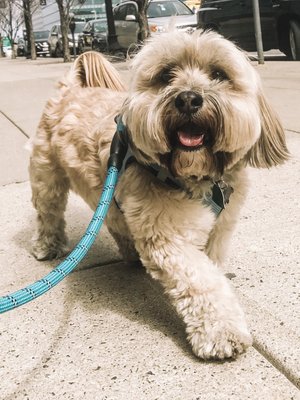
(79, 27)
(131, 10)
(41, 35)
(87, 27)
(120, 13)
(167, 9)
(100, 26)
(182, 9)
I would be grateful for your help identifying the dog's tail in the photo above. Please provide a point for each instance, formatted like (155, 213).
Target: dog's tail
(91, 69)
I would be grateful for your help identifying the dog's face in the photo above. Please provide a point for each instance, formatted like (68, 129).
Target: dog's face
(195, 106)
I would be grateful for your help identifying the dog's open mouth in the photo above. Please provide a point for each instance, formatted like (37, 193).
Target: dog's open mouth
(191, 137)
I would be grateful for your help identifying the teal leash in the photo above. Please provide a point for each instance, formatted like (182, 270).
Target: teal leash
(40, 287)
(117, 153)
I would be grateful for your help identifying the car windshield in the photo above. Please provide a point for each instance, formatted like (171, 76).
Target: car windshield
(100, 26)
(79, 27)
(41, 34)
(167, 9)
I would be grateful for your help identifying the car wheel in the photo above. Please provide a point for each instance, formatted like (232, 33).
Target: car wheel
(80, 48)
(96, 46)
(57, 52)
(294, 41)
(53, 52)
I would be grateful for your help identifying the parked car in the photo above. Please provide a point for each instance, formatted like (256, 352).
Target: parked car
(41, 43)
(55, 39)
(159, 13)
(7, 51)
(280, 23)
(93, 36)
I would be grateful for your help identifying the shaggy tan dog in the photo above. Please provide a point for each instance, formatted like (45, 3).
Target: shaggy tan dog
(196, 115)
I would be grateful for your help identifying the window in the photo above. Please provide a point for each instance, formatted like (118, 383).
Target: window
(131, 10)
(100, 26)
(120, 13)
(167, 9)
(87, 27)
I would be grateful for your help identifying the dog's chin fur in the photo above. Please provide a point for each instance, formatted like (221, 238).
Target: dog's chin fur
(177, 237)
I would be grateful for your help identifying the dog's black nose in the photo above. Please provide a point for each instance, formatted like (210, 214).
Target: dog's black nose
(188, 102)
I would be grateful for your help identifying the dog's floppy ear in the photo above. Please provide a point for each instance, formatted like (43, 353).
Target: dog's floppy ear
(270, 149)
(91, 69)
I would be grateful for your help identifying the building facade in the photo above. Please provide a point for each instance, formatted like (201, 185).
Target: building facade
(47, 13)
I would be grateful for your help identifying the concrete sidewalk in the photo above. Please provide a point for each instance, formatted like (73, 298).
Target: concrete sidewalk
(107, 331)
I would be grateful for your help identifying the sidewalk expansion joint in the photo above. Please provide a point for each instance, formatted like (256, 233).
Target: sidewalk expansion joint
(292, 130)
(16, 125)
(281, 348)
(99, 265)
(13, 183)
(290, 375)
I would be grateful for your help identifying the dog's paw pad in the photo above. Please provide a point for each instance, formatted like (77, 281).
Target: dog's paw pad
(222, 345)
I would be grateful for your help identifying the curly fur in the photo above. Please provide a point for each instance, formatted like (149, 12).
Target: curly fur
(178, 239)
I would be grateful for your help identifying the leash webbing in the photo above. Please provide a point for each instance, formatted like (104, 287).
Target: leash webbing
(40, 287)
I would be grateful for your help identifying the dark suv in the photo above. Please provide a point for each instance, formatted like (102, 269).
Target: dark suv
(280, 23)
(41, 43)
(93, 36)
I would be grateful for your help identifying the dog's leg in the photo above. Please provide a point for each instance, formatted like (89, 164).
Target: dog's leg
(202, 296)
(215, 322)
(118, 228)
(218, 243)
(50, 189)
(167, 240)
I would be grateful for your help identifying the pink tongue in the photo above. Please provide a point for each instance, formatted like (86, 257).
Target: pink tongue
(188, 140)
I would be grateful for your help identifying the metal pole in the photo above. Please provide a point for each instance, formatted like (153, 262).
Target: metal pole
(74, 45)
(72, 26)
(257, 28)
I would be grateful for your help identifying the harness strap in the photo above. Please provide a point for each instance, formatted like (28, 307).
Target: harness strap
(216, 199)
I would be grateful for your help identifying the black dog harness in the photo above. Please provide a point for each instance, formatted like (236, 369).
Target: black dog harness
(216, 199)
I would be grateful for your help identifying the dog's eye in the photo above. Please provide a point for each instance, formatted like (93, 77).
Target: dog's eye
(166, 75)
(219, 75)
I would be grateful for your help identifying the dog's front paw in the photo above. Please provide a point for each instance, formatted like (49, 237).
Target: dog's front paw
(219, 342)
(43, 253)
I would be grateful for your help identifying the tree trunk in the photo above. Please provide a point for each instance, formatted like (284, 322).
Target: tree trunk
(29, 29)
(11, 31)
(1, 46)
(64, 25)
(142, 20)
(112, 41)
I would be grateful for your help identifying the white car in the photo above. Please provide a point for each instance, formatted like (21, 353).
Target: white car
(55, 39)
(7, 50)
(160, 14)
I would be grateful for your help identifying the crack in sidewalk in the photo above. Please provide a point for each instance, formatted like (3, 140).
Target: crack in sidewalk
(16, 125)
(291, 130)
